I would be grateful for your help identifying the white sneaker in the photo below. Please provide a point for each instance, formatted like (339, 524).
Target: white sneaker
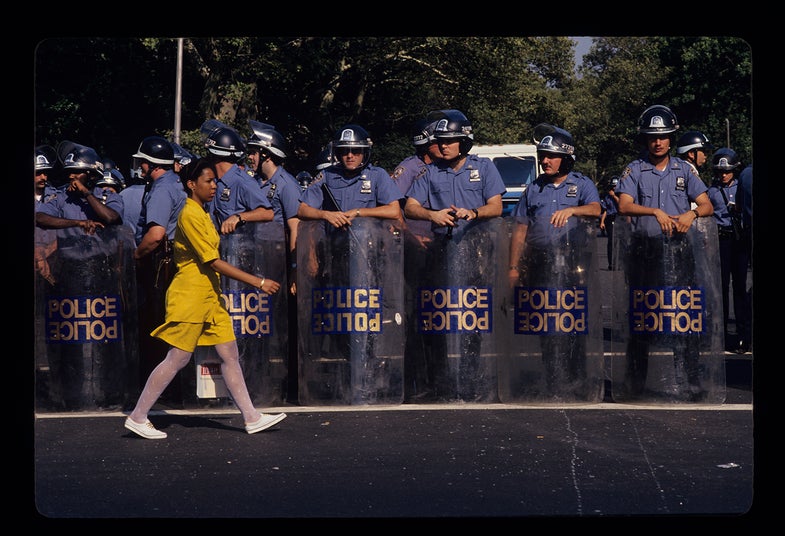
(146, 430)
(264, 422)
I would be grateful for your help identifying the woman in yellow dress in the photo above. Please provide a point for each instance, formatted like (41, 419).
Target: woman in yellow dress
(195, 314)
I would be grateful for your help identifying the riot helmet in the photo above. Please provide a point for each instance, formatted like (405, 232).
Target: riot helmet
(452, 124)
(326, 158)
(352, 137)
(155, 150)
(112, 177)
(76, 157)
(45, 158)
(304, 179)
(555, 140)
(181, 156)
(725, 159)
(422, 133)
(267, 140)
(222, 142)
(657, 119)
(693, 139)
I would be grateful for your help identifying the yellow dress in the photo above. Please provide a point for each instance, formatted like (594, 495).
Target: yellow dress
(195, 313)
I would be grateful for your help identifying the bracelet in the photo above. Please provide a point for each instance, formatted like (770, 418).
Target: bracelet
(476, 213)
(695, 211)
(261, 284)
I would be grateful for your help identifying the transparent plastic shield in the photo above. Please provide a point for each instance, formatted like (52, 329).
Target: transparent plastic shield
(454, 299)
(668, 315)
(259, 319)
(350, 313)
(554, 349)
(89, 324)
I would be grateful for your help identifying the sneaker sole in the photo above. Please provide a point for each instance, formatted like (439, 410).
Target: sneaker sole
(268, 425)
(140, 434)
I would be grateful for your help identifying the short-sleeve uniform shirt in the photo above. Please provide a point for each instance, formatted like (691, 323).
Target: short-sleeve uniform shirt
(371, 188)
(671, 190)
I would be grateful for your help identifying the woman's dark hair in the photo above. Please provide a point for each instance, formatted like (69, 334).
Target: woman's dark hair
(193, 169)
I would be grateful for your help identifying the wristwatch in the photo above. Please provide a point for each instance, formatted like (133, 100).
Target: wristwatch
(240, 220)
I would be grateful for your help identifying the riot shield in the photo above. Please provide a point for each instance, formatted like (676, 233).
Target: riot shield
(554, 349)
(350, 313)
(670, 317)
(259, 319)
(454, 302)
(89, 324)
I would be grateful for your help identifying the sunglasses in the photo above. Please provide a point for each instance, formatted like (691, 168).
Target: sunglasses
(343, 151)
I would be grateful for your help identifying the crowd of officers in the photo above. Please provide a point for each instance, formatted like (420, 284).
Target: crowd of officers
(432, 192)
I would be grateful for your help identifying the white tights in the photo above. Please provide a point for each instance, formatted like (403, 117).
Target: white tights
(176, 359)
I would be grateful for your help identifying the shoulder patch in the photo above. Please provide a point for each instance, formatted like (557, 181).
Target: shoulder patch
(626, 173)
(397, 172)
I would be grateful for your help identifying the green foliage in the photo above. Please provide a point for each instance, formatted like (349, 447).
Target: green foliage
(110, 93)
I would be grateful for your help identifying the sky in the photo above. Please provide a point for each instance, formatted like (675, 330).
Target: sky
(583, 47)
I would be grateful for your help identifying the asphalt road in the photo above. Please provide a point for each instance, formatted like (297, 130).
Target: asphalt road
(402, 462)
(433, 462)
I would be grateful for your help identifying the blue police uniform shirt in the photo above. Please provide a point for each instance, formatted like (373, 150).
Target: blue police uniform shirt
(542, 199)
(282, 191)
(470, 187)
(407, 171)
(372, 187)
(671, 190)
(609, 205)
(132, 207)
(745, 195)
(72, 206)
(721, 212)
(237, 192)
(48, 192)
(162, 205)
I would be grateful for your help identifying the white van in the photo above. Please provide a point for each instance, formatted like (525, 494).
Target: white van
(517, 164)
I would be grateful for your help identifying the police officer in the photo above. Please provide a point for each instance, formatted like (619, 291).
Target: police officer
(132, 196)
(544, 217)
(84, 373)
(353, 187)
(112, 178)
(45, 239)
(694, 147)
(656, 191)
(734, 257)
(238, 199)
(457, 191)
(459, 186)
(348, 247)
(413, 167)
(82, 203)
(163, 199)
(45, 160)
(610, 208)
(267, 150)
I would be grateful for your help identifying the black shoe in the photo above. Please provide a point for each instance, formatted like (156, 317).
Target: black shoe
(743, 347)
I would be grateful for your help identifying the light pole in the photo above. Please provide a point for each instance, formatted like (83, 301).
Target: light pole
(178, 91)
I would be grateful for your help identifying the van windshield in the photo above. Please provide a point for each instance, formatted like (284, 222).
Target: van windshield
(516, 171)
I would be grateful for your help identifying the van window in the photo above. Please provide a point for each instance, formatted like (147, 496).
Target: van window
(516, 171)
